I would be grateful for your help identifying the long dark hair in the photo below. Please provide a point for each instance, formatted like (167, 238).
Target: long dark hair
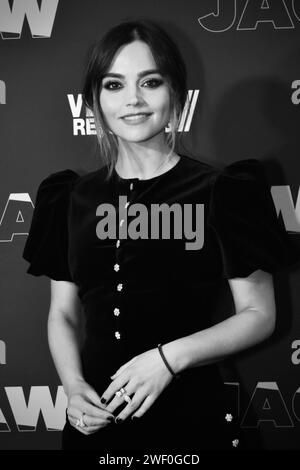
(100, 56)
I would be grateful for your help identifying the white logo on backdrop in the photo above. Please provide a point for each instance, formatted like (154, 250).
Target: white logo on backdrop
(17, 210)
(2, 352)
(250, 15)
(269, 405)
(295, 98)
(2, 92)
(39, 19)
(283, 201)
(26, 412)
(295, 357)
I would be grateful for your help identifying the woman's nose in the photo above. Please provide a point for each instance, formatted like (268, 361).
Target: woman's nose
(134, 95)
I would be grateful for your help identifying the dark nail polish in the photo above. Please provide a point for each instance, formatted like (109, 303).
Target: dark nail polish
(103, 400)
(111, 418)
(118, 420)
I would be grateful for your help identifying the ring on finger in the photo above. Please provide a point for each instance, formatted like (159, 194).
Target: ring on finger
(80, 422)
(127, 398)
(120, 392)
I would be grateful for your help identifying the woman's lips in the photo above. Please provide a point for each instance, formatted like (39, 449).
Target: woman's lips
(136, 119)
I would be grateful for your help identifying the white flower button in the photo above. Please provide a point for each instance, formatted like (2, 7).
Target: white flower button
(117, 334)
(228, 417)
(116, 311)
(120, 287)
(116, 267)
(235, 442)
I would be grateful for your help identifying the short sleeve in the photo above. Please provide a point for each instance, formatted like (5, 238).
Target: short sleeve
(243, 217)
(46, 247)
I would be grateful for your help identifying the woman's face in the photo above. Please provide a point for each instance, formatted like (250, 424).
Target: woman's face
(135, 90)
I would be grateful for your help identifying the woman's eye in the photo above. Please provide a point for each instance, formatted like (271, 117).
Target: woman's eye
(156, 82)
(107, 85)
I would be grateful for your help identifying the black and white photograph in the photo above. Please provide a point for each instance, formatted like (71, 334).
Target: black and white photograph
(150, 222)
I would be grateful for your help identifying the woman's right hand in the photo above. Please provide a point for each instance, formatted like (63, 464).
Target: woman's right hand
(83, 399)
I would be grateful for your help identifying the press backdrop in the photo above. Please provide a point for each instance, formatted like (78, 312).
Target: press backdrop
(243, 102)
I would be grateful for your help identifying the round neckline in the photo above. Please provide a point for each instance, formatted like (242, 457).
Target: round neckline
(141, 180)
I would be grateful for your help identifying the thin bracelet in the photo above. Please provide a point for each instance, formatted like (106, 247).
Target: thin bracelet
(176, 376)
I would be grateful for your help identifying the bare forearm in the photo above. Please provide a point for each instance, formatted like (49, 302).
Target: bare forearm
(64, 343)
(234, 334)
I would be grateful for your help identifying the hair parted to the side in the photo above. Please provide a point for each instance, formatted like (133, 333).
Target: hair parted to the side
(100, 56)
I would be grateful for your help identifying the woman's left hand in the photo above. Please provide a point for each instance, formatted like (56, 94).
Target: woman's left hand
(144, 378)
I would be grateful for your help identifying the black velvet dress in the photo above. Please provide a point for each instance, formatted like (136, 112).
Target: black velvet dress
(167, 291)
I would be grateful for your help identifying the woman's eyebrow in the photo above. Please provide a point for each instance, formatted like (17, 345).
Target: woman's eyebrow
(141, 74)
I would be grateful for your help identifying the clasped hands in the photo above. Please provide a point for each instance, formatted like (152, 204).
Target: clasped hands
(144, 378)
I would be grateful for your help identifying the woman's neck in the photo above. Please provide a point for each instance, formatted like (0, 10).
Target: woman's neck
(144, 167)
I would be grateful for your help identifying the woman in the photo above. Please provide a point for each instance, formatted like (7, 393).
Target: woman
(147, 376)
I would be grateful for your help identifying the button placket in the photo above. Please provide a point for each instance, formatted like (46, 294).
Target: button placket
(119, 286)
(116, 310)
(229, 419)
(235, 442)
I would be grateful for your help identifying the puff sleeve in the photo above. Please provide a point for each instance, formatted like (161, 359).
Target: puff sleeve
(46, 247)
(243, 217)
